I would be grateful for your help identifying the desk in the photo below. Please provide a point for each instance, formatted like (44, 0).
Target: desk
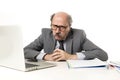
(60, 72)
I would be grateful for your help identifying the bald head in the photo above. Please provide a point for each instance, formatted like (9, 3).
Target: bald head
(62, 15)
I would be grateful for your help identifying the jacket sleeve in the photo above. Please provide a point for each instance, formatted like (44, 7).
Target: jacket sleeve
(92, 51)
(33, 49)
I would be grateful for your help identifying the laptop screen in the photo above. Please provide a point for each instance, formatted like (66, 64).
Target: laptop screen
(11, 47)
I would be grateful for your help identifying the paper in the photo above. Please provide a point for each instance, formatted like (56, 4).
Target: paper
(115, 63)
(86, 63)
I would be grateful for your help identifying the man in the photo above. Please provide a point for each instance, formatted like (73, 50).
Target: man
(62, 42)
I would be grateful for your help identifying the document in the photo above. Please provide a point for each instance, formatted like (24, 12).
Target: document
(116, 65)
(86, 63)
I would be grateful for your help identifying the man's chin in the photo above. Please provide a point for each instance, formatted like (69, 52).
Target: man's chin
(58, 38)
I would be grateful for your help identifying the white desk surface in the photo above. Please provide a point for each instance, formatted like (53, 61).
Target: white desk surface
(60, 72)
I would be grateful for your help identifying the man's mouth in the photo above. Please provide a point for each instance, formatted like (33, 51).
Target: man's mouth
(57, 35)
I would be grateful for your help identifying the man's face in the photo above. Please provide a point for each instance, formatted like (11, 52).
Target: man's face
(60, 27)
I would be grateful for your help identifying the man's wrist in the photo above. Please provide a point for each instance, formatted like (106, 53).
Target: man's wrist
(80, 55)
(41, 56)
(74, 57)
(44, 57)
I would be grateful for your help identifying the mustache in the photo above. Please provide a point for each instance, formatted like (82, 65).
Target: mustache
(57, 34)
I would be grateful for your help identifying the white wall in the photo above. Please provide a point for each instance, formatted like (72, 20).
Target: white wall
(99, 18)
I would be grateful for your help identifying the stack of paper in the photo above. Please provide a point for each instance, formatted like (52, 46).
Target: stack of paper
(115, 64)
(86, 63)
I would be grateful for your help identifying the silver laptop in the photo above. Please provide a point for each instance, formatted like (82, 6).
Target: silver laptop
(11, 51)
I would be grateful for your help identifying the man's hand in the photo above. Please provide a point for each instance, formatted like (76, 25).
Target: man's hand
(48, 57)
(58, 55)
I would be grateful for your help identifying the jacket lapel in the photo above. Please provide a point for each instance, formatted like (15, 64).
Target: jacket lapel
(54, 44)
(50, 44)
(69, 42)
(69, 45)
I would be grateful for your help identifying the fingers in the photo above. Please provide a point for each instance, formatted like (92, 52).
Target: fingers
(48, 57)
(57, 50)
(56, 56)
(58, 59)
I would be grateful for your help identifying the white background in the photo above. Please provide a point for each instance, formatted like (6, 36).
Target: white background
(99, 18)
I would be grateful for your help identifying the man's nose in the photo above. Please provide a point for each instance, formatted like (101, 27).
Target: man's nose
(57, 30)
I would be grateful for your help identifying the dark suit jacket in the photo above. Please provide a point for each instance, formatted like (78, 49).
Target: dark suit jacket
(76, 41)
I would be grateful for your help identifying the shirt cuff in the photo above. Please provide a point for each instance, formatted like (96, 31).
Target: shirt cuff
(40, 56)
(80, 56)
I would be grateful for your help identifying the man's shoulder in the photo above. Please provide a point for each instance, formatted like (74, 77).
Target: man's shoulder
(77, 30)
(46, 30)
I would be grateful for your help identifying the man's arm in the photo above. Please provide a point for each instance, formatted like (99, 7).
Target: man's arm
(86, 47)
(92, 51)
(33, 49)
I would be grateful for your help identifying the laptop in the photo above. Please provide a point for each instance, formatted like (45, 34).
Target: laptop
(11, 51)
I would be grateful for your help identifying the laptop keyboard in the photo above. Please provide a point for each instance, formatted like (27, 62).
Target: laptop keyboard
(27, 65)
